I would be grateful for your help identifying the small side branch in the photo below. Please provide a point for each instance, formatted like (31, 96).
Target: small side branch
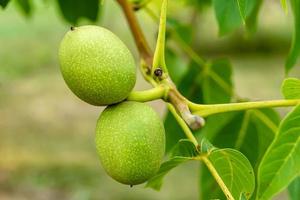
(173, 96)
(159, 54)
(206, 110)
(184, 126)
(140, 40)
(159, 92)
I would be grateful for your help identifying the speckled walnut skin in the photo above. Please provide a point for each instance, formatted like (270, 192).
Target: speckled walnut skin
(96, 65)
(130, 140)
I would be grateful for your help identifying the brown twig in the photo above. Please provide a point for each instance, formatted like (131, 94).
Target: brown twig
(174, 97)
(138, 35)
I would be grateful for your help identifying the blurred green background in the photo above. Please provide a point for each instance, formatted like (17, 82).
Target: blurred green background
(47, 146)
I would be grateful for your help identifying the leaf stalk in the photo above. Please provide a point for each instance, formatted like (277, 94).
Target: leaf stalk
(210, 109)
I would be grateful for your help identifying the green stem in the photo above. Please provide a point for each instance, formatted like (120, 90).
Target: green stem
(189, 51)
(183, 125)
(206, 110)
(159, 55)
(217, 177)
(158, 92)
(147, 61)
(146, 73)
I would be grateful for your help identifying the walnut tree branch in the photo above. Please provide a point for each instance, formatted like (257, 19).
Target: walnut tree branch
(140, 40)
(174, 97)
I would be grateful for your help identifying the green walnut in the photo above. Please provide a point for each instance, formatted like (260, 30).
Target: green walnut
(130, 140)
(96, 65)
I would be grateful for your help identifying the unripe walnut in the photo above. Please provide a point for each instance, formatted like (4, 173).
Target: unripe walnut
(130, 140)
(96, 65)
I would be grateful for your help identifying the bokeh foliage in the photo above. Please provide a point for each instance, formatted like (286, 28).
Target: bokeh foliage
(210, 81)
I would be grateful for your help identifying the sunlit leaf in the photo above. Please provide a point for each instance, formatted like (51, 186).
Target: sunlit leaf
(281, 163)
(211, 83)
(245, 130)
(291, 88)
(232, 171)
(242, 131)
(295, 48)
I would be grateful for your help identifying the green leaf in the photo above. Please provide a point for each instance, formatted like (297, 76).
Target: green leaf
(25, 6)
(184, 148)
(251, 21)
(294, 189)
(184, 31)
(206, 146)
(173, 131)
(157, 180)
(217, 84)
(281, 163)
(211, 83)
(182, 152)
(245, 130)
(242, 8)
(73, 10)
(3, 3)
(208, 186)
(291, 88)
(231, 13)
(295, 48)
(232, 171)
(227, 14)
(242, 131)
(176, 67)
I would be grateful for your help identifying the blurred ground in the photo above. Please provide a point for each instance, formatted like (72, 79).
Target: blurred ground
(47, 134)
